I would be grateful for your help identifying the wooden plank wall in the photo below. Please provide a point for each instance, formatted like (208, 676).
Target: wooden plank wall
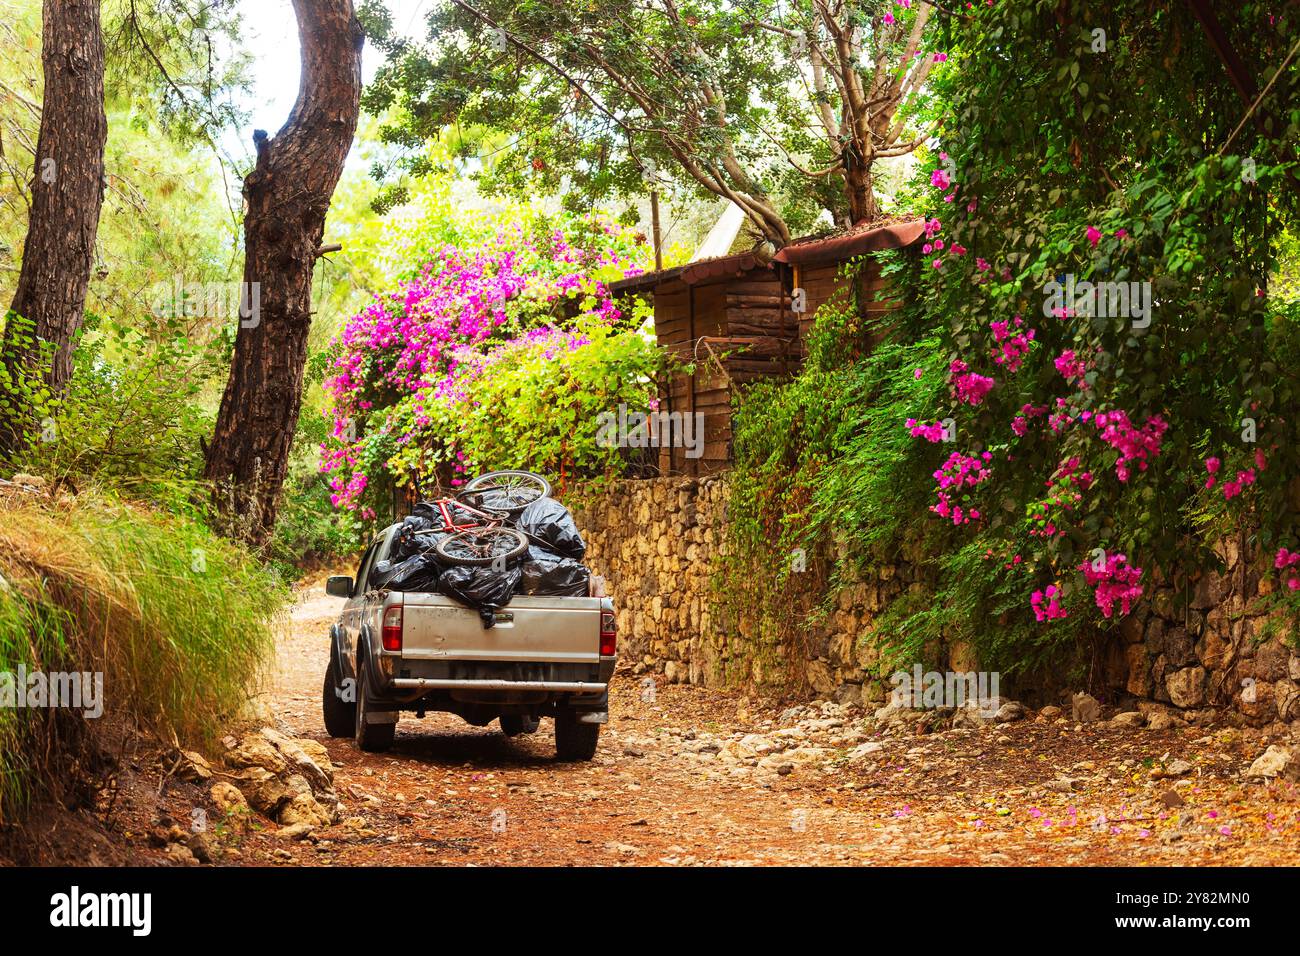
(685, 316)
(737, 329)
(824, 284)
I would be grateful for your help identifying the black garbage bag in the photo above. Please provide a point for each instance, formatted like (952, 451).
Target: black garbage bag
(427, 511)
(547, 573)
(416, 573)
(410, 541)
(483, 589)
(549, 522)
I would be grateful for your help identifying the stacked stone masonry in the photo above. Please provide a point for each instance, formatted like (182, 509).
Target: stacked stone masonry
(655, 541)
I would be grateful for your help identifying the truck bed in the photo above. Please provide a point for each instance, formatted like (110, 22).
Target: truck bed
(558, 630)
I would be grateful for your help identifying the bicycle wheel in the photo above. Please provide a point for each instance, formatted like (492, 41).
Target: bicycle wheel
(509, 491)
(482, 546)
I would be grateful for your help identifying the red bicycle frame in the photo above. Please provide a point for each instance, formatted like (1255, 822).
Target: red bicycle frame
(445, 506)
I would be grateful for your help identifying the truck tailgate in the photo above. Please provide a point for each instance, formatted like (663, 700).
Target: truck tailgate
(555, 629)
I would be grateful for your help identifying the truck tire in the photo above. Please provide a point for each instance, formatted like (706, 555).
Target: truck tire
(372, 738)
(340, 715)
(574, 741)
(512, 725)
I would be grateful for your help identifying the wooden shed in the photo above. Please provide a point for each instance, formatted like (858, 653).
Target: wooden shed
(730, 317)
(813, 264)
(734, 319)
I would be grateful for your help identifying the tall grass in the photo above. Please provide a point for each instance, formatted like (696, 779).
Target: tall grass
(177, 621)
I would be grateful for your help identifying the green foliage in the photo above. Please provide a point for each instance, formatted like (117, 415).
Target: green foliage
(175, 619)
(133, 416)
(598, 101)
(507, 318)
(1104, 176)
(540, 406)
(179, 60)
(1123, 151)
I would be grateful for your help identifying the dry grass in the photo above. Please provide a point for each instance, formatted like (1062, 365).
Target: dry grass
(176, 620)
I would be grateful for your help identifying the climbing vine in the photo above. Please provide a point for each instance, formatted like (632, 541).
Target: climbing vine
(1093, 380)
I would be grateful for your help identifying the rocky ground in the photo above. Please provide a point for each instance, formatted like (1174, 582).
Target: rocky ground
(686, 776)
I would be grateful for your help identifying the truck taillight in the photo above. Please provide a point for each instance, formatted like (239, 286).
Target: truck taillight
(392, 630)
(608, 634)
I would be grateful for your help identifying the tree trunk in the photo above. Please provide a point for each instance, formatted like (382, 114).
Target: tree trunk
(860, 195)
(67, 192)
(288, 194)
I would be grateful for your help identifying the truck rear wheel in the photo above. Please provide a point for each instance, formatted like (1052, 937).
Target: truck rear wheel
(372, 738)
(340, 715)
(574, 741)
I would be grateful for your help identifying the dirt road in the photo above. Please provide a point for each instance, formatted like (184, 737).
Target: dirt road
(685, 776)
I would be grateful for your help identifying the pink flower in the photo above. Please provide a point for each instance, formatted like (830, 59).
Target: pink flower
(958, 473)
(1013, 342)
(1070, 367)
(1117, 581)
(1233, 487)
(1047, 604)
(931, 433)
(1093, 234)
(967, 386)
(1133, 443)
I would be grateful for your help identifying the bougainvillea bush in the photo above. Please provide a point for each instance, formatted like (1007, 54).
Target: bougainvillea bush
(1110, 383)
(494, 353)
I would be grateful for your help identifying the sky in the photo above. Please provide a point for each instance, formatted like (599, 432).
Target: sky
(271, 37)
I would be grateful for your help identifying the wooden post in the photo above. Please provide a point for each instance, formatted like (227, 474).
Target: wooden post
(690, 395)
(654, 223)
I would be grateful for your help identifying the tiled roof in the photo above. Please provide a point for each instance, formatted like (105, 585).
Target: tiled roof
(809, 250)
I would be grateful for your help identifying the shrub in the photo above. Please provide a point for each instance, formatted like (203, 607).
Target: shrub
(498, 352)
(175, 619)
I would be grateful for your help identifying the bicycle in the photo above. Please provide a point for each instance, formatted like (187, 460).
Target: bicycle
(508, 491)
(500, 496)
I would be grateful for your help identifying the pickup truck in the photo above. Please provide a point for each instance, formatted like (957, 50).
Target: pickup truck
(394, 651)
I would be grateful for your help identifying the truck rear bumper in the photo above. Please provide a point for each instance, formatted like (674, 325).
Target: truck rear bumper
(439, 683)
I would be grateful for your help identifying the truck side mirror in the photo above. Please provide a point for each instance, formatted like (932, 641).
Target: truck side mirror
(339, 585)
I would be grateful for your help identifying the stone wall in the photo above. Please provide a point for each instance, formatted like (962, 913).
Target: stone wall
(655, 541)
(1218, 651)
